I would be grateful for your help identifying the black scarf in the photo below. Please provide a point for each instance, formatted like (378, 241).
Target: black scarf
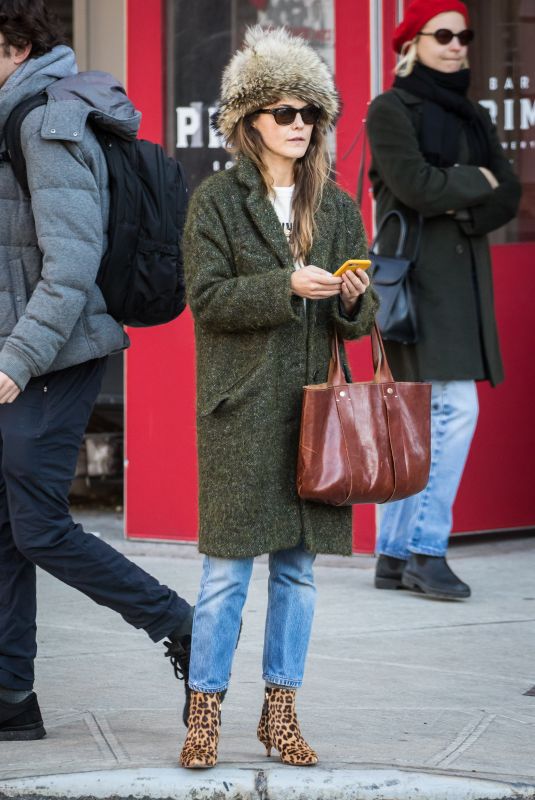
(446, 112)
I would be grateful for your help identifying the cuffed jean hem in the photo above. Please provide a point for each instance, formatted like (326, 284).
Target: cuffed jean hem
(208, 690)
(428, 551)
(418, 551)
(288, 684)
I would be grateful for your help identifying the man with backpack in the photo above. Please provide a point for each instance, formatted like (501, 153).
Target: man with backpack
(55, 336)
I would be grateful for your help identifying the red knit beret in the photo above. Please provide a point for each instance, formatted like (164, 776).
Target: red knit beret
(418, 13)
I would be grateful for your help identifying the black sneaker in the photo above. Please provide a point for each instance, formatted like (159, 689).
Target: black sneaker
(21, 721)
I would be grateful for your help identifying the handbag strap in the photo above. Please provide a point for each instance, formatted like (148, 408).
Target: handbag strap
(381, 367)
(402, 232)
(382, 371)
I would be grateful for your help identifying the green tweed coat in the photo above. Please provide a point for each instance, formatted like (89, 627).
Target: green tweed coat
(256, 348)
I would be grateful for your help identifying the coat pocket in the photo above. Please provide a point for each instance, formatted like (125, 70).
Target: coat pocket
(13, 296)
(242, 390)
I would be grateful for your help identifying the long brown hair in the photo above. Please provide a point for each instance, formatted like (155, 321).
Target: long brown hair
(311, 173)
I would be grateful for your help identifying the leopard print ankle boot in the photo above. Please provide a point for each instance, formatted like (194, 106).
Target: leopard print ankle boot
(279, 728)
(200, 746)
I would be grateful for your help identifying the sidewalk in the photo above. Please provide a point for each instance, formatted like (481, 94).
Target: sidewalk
(404, 697)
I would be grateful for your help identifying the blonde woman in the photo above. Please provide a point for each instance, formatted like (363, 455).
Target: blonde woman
(262, 241)
(436, 154)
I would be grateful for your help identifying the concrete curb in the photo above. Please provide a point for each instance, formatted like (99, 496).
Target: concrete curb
(257, 784)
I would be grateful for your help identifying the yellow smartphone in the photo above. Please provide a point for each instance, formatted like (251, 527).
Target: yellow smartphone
(352, 264)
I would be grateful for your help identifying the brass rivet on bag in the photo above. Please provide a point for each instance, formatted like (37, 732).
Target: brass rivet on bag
(390, 390)
(342, 394)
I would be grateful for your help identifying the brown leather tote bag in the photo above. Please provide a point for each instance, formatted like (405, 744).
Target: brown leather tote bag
(364, 442)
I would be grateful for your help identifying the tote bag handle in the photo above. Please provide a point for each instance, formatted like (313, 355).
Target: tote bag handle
(381, 367)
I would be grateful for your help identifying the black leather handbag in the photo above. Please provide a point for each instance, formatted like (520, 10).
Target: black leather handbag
(392, 278)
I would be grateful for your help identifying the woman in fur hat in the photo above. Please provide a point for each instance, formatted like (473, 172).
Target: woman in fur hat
(436, 154)
(261, 243)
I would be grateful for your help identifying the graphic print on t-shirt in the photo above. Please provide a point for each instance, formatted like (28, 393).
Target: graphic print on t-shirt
(282, 203)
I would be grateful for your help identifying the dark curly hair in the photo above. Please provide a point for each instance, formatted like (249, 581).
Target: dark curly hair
(29, 21)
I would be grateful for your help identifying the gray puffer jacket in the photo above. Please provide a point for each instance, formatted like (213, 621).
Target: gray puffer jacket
(52, 314)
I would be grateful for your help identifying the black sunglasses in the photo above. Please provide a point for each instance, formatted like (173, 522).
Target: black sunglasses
(285, 115)
(444, 36)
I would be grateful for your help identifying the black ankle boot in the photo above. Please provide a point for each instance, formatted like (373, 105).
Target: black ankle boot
(388, 572)
(179, 653)
(21, 721)
(433, 576)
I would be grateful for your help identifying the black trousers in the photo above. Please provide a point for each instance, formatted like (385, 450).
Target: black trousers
(40, 435)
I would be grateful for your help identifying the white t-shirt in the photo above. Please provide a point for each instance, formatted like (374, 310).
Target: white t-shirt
(282, 203)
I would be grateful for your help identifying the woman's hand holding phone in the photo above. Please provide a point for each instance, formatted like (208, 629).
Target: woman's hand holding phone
(314, 283)
(354, 284)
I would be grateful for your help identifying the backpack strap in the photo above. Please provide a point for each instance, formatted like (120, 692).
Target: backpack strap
(12, 137)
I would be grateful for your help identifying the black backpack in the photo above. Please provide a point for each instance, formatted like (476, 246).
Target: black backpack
(141, 275)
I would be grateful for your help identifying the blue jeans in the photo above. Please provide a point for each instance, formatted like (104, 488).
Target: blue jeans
(422, 523)
(291, 602)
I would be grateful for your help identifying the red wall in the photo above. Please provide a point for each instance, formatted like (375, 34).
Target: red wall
(161, 486)
(497, 486)
(353, 81)
(160, 471)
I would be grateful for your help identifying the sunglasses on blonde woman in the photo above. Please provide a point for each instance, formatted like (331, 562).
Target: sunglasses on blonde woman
(444, 36)
(285, 115)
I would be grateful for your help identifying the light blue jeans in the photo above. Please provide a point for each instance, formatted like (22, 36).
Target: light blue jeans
(291, 602)
(422, 523)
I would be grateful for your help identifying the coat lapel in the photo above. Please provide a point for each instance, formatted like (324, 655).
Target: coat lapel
(320, 253)
(269, 227)
(263, 213)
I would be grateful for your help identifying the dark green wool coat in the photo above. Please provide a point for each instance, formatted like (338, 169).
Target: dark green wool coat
(256, 349)
(453, 276)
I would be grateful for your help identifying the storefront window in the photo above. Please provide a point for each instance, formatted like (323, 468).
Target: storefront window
(503, 66)
(201, 38)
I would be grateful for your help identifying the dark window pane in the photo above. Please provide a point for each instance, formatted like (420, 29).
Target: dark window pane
(503, 66)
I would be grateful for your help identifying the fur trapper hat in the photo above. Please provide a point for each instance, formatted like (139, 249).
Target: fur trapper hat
(273, 64)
